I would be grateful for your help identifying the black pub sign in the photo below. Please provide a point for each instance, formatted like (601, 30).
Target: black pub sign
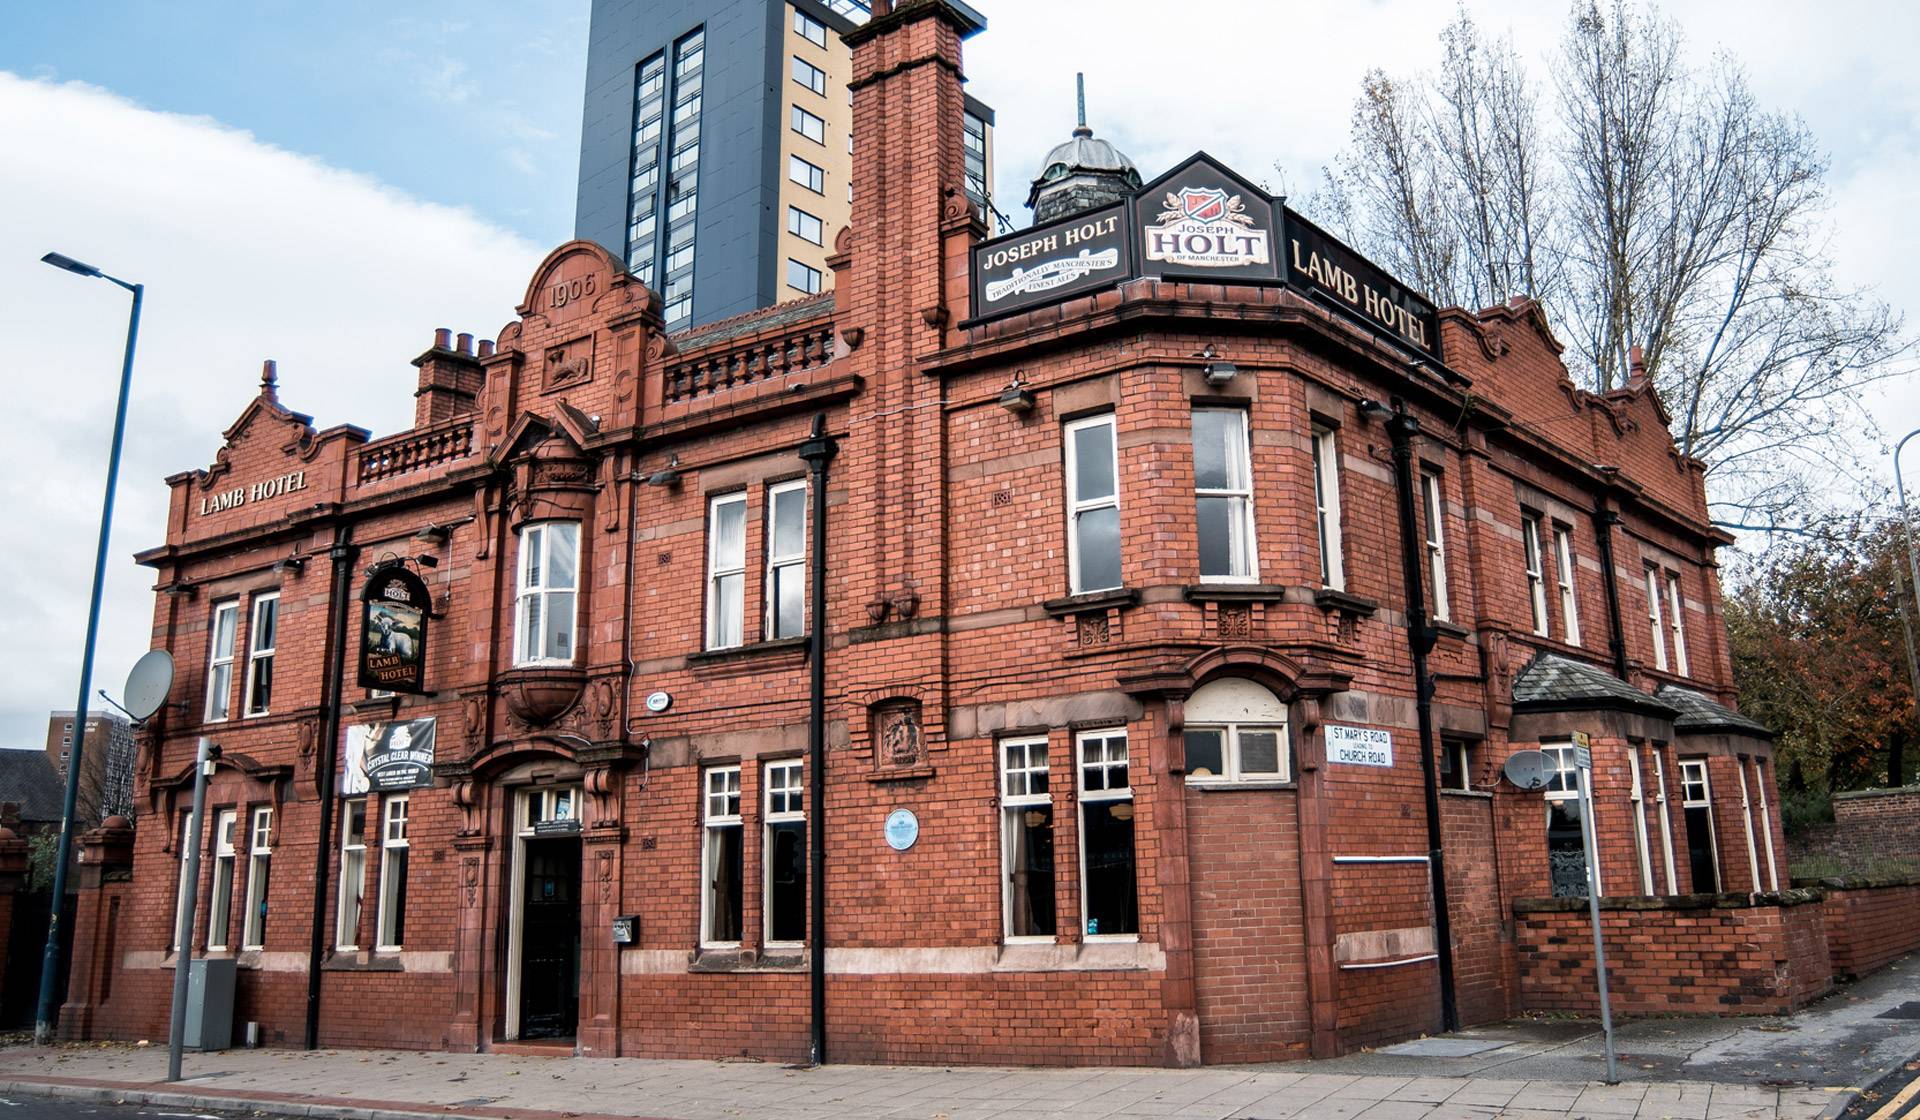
(1200, 221)
(1321, 264)
(393, 633)
(1051, 262)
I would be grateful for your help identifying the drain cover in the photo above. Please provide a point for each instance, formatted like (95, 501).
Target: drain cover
(1907, 1010)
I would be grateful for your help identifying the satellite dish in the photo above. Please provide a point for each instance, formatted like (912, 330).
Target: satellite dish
(148, 683)
(1527, 769)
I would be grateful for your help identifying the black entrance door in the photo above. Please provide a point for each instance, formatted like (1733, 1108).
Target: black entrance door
(550, 940)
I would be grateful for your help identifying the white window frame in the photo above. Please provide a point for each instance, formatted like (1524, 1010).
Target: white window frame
(226, 620)
(1637, 794)
(1016, 797)
(1746, 820)
(1461, 751)
(253, 926)
(1326, 507)
(721, 569)
(535, 562)
(783, 566)
(1563, 567)
(810, 29)
(1077, 509)
(719, 789)
(1766, 824)
(1536, 573)
(807, 124)
(1677, 622)
(797, 220)
(1560, 756)
(1245, 553)
(1435, 507)
(783, 798)
(395, 813)
(1088, 797)
(1666, 821)
(353, 874)
(1704, 801)
(1656, 626)
(220, 897)
(257, 653)
(181, 883)
(1230, 755)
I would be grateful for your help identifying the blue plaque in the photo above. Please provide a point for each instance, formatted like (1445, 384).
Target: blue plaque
(903, 828)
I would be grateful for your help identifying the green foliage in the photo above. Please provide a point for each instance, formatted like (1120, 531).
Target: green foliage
(42, 849)
(1800, 810)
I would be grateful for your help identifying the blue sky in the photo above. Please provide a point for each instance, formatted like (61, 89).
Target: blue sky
(470, 104)
(324, 184)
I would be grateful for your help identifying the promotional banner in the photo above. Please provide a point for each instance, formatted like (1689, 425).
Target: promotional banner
(393, 631)
(381, 757)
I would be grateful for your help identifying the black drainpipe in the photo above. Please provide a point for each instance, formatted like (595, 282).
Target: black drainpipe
(1401, 428)
(1603, 522)
(818, 450)
(342, 554)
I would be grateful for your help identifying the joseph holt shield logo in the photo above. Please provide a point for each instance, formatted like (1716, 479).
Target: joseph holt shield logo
(1204, 204)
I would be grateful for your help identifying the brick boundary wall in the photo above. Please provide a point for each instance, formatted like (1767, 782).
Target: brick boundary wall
(1868, 825)
(1707, 954)
(1870, 922)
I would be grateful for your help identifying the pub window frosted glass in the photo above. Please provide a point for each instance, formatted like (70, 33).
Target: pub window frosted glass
(226, 618)
(1656, 626)
(1093, 505)
(785, 854)
(1223, 489)
(806, 174)
(804, 225)
(808, 125)
(1676, 615)
(1703, 847)
(181, 883)
(1566, 846)
(809, 75)
(253, 928)
(810, 29)
(1236, 730)
(1536, 572)
(1026, 840)
(802, 277)
(260, 645)
(1109, 898)
(391, 926)
(726, 570)
(220, 907)
(544, 615)
(787, 560)
(1434, 510)
(1563, 569)
(353, 873)
(1326, 509)
(721, 859)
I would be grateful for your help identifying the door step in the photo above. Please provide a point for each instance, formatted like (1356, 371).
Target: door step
(536, 1047)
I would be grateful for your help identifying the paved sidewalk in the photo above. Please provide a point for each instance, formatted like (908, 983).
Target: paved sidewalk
(493, 1087)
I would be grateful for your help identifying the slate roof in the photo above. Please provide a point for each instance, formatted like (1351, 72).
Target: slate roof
(779, 315)
(1699, 713)
(1551, 683)
(27, 777)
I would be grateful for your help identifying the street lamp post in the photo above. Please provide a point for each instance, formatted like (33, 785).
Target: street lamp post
(1906, 523)
(50, 961)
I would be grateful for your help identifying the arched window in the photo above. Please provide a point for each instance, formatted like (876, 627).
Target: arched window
(1236, 730)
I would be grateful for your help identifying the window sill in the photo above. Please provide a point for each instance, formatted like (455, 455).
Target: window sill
(1450, 629)
(1455, 791)
(1225, 785)
(731, 958)
(730, 654)
(1346, 602)
(362, 960)
(1101, 953)
(1234, 592)
(1111, 599)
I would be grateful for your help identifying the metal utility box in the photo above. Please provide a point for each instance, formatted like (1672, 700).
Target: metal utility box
(209, 1004)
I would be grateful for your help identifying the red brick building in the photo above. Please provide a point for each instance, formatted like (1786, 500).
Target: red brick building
(1116, 609)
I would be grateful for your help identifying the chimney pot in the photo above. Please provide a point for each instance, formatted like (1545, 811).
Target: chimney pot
(486, 348)
(443, 339)
(465, 341)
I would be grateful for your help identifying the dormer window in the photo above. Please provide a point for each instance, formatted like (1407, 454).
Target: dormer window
(548, 589)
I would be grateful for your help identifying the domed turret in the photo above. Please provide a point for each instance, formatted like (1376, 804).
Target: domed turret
(1084, 173)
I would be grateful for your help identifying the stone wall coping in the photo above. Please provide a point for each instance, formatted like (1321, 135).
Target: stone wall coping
(1858, 882)
(1732, 901)
(1853, 794)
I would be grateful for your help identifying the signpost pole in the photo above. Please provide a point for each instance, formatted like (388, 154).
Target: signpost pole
(1585, 760)
(183, 920)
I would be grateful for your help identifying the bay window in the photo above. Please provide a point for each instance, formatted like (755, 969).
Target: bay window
(1236, 730)
(1536, 572)
(1656, 626)
(1093, 505)
(547, 594)
(1703, 845)
(1676, 620)
(1434, 509)
(1223, 492)
(1326, 509)
(1563, 574)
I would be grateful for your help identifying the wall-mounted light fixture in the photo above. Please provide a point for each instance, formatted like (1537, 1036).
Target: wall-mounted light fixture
(1218, 371)
(427, 560)
(668, 475)
(294, 564)
(433, 534)
(1017, 398)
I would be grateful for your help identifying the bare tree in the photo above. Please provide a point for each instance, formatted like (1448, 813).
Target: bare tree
(1666, 209)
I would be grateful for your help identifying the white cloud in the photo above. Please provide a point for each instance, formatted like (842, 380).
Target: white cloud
(248, 252)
